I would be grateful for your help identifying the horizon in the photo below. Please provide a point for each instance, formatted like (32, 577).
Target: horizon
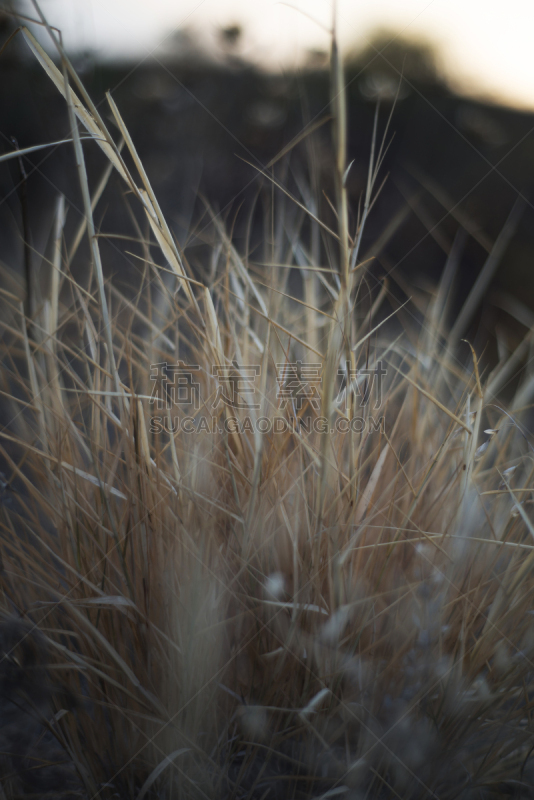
(481, 50)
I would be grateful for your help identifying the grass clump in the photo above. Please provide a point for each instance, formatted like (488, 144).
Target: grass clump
(256, 543)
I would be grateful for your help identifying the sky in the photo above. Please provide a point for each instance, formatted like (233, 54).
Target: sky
(486, 47)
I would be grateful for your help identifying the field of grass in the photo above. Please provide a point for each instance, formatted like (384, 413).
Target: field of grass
(264, 533)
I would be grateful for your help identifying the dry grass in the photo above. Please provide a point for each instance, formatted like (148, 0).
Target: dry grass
(246, 614)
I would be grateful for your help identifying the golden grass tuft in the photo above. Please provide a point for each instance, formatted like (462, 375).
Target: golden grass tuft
(242, 612)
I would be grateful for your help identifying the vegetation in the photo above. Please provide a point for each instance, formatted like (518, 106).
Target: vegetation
(324, 590)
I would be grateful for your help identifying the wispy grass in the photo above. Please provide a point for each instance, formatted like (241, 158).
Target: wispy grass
(270, 606)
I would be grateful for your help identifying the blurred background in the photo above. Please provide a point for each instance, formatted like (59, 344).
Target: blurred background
(212, 90)
(483, 47)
